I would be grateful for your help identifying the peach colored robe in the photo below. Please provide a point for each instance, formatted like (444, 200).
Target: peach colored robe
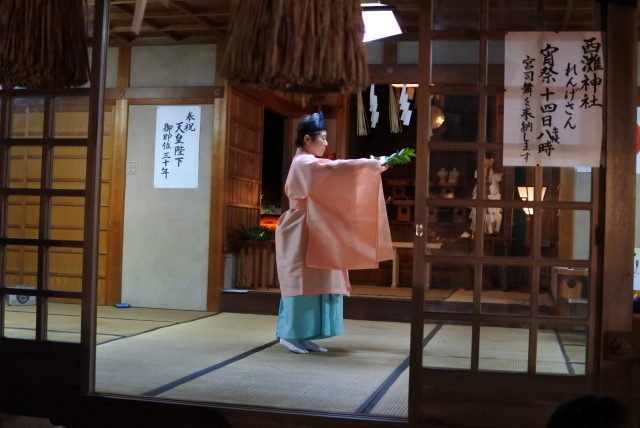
(337, 221)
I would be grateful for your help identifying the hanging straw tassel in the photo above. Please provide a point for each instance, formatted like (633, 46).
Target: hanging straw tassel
(394, 116)
(363, 126)
(308, 46)
(43, 43)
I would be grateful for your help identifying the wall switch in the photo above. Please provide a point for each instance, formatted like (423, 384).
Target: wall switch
(132, 168)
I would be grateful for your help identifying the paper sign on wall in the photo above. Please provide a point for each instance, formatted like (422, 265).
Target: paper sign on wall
(553, 109)
(177, 147)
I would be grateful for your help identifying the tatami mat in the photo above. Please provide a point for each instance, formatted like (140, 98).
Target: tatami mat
(231, 358)
(56, 336)
(138, 364)
(112, 323)
(501, 349)
(576, 353)
(573, 338)
(336, 381)
(437, 294)
(71, 324)
(395, 401)
(449, 348)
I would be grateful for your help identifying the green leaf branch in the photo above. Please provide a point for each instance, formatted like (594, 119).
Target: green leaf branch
(402, 156)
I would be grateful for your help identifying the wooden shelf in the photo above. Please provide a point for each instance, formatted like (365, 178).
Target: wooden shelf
(401, 223)
(445, 185)
(401, 202)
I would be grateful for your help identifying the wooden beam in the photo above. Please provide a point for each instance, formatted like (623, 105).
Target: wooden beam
(273, 102)
(159, 28)
(122, 37)
(150, 27)
(567, 15)
(138, 16)
(185, 8)
(390, 53)
(169, 92)
(122, 8)
(404, 73)
(148, 40)
(205, 13)
(124, 67)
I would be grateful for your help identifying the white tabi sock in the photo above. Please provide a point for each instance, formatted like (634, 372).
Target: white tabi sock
(313, 346)
(293, 346)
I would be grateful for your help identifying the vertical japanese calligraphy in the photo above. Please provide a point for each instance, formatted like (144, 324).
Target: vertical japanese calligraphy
(177, 147)
(553, 98)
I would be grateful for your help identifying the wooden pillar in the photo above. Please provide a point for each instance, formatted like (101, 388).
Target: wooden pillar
(620, 185)
(342, 127)
(217, 211)
(421, 189)
(118, 180)
(92, 198)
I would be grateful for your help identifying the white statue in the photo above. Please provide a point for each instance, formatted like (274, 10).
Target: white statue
(492, 216)
(442, 175)
(453, 176)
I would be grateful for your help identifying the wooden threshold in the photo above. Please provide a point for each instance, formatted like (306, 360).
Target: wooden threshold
(357, 307)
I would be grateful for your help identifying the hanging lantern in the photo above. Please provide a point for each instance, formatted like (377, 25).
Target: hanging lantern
(43, 43)
(308, 46)
(437, 117)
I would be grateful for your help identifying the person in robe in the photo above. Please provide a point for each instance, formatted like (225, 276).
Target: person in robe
(336, 221)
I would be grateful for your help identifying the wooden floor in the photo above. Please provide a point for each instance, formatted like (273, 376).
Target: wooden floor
(375, 303)
(359, 290)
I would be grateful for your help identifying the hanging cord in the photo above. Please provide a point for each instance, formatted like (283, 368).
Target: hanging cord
(363, 127)
(394, 117)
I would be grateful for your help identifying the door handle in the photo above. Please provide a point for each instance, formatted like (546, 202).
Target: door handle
(622, 345)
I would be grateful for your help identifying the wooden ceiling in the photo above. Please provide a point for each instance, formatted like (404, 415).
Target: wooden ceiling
(182, 22)
(206, 21)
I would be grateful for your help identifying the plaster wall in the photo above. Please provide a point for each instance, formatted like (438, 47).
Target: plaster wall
(166, 231)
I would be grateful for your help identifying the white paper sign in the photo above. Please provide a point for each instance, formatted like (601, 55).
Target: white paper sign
(553, 110)
(177, 147)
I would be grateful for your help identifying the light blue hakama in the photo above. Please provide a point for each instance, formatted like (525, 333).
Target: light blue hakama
(310, 317)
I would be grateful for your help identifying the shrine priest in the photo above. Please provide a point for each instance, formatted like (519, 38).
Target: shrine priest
(336, 221)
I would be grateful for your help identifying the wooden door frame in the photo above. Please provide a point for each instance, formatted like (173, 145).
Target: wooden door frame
(610, 263)
(619, 193)
(291, 112)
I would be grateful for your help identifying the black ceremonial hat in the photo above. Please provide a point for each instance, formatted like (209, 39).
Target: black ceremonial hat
(311, 123)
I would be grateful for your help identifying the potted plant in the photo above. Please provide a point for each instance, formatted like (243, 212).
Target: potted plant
(256, 258)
